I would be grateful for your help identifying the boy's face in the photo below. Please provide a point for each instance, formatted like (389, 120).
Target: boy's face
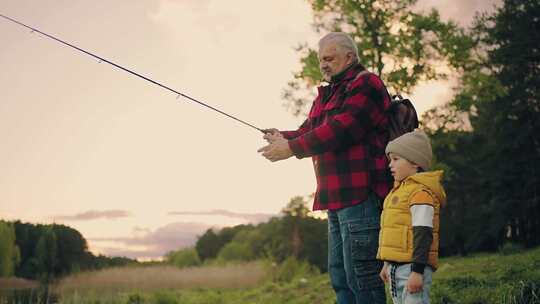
(400, 167)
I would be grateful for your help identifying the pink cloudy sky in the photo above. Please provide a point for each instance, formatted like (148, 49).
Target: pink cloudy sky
(135, 170)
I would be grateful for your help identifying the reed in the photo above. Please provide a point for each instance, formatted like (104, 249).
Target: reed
(149, 278)
(17, 283)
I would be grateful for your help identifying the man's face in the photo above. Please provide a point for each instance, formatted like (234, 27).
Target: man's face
(333, 60)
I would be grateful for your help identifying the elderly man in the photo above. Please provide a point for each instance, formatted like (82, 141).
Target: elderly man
(345, 134)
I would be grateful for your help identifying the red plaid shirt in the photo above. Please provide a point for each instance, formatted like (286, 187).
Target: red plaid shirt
(346, 133)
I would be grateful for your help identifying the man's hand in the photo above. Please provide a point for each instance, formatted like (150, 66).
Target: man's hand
(384, 273)
(415, 282)
(278, 149)
(271, 135)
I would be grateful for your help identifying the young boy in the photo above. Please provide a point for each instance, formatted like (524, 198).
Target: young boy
(409, 237)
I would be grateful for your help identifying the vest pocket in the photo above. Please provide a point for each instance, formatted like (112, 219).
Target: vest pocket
(396, 238)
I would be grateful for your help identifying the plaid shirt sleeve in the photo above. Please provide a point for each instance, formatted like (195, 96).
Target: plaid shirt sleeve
(362, 109)
(294, 134)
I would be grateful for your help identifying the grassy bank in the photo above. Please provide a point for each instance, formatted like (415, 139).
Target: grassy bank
(479, 279)
(489, 278)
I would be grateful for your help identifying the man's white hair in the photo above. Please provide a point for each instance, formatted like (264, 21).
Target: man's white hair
(343, 42)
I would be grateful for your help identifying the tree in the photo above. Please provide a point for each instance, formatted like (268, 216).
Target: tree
(297, 207)
(71, 249)
(51, 251)
(401, 46)
(207, 245)
(293, 213)
(210, 243)
(46, 255)
(493, 162)
(186, 257)
(511, 119)
(9, 252)
(236, 251)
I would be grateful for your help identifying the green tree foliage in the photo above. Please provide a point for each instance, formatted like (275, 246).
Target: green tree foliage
(236, 251)
(488, 136)
(92, 262)
(71, 249)
(293, 234)
(305, 237)
(27, 236)
(186, 257)
(402, 46)
(297, 207)
(46, 254)
(9, 252)
(210, 243)
(51, 251)
(512, 119)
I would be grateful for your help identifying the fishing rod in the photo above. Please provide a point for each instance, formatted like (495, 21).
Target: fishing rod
(101, 59)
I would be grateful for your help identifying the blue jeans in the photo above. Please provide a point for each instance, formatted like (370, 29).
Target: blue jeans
(398, 276)
(353, 239)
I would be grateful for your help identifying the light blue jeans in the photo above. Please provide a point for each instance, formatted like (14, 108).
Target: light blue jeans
(398, 275)
(353, 239)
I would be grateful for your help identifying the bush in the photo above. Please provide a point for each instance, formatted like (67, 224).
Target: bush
(165, 297)
(235, 251)
(184, 258)
(292, 269)
(510, 248)
(135, 298)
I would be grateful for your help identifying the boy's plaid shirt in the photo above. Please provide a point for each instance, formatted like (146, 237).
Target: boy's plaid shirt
(346, 134)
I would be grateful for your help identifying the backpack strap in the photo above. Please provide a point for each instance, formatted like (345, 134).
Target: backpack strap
(362, 73)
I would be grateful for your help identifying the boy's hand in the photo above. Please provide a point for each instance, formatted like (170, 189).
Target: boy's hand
(384, 273)
(415, 282)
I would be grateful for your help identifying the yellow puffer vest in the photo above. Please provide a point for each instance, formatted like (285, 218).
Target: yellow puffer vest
(396, 236)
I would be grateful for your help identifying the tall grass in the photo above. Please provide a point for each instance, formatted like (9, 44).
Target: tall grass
(152, 278)
(509, 278)
(293, 282)
(16, 283)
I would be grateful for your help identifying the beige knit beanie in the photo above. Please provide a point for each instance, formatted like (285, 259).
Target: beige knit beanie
(413, 146)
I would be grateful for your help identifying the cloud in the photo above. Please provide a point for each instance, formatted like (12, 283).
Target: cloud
(461, 11)
(144, 243)
(152, 244)
(253, 218)
(94, 215)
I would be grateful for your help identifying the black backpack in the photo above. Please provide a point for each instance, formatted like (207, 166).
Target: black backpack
(403, 117)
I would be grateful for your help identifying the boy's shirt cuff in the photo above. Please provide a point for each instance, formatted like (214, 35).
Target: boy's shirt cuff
(418, 268)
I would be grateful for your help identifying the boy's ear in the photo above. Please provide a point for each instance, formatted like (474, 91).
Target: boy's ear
(418, 168)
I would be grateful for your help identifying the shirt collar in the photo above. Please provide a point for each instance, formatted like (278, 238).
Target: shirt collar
(348, 73)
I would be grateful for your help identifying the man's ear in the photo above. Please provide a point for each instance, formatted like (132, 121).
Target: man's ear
(350, 56)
